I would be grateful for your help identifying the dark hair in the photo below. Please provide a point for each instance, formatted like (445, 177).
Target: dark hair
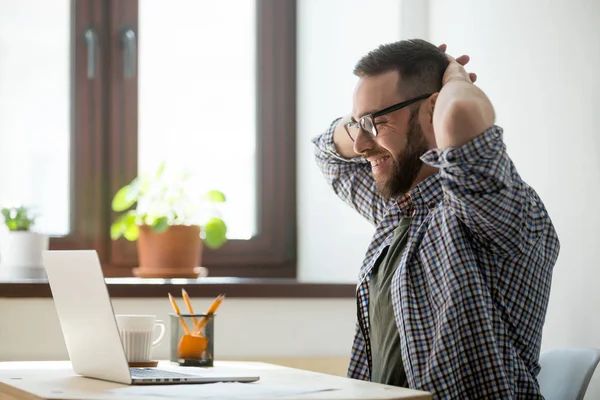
(421, 65)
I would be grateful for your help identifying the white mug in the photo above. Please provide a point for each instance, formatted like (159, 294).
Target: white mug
(136, 334)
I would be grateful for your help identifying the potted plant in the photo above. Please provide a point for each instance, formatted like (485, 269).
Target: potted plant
(20, 248)
(169, 224)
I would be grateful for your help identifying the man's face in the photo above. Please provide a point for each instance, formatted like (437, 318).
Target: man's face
(395, 152)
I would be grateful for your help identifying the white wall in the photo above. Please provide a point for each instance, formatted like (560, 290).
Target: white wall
(538, 62)
(333, 35)
(244, 328)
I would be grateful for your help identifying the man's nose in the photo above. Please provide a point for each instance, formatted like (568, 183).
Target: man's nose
(363, 143)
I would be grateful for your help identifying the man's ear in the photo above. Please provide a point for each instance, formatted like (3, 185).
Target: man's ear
(431, 106)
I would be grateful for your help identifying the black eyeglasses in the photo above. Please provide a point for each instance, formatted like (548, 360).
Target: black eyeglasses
(367, 122)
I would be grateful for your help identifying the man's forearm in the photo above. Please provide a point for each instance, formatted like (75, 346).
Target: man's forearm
(343, 145)
(462, 112)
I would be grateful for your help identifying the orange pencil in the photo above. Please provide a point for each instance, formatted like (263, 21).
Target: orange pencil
(212, 309)
(186, 298)
(185, 328)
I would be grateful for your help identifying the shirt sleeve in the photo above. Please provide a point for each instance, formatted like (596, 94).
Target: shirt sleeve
(351, 179)
(482, 187)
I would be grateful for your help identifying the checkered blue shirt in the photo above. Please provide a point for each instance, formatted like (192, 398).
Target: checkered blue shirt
(471, 290)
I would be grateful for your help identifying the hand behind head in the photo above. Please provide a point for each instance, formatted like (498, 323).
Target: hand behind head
(462, 60)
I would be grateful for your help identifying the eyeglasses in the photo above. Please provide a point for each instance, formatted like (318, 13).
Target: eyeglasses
(367, 122)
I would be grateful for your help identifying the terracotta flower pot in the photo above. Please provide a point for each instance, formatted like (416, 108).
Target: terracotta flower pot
(175, 253)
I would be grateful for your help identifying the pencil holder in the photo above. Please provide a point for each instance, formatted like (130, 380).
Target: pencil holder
(194, 347)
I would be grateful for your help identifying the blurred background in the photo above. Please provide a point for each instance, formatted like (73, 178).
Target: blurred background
(94, 92)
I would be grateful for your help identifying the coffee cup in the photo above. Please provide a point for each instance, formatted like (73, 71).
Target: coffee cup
(137, 332)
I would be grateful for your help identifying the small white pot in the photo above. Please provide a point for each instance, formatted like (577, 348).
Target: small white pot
(21, 254)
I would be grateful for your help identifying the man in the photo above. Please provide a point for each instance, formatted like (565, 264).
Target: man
(453, 291)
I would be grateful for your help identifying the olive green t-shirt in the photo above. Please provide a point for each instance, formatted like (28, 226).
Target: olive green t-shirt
(387, 367)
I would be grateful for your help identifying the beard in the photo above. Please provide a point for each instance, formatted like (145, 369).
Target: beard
(405, 166)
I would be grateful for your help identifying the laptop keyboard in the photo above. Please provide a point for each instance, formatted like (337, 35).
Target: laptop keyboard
(156, 373)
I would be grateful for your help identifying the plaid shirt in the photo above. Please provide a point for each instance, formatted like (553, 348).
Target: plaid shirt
(471, 290)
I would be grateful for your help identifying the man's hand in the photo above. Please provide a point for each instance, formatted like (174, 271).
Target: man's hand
(462, 111)
(457, 70)
(343, 145)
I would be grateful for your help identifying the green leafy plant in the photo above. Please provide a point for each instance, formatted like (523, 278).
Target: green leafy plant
(161, 201)
(18, 218)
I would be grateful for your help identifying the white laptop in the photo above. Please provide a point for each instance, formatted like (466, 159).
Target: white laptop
(90, 329)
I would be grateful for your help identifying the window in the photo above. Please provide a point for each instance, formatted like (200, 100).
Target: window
(133, 83)
(50, 130)
(37, 148)
(197, 98)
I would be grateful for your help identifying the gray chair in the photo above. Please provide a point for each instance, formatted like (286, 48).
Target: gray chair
(566, 372)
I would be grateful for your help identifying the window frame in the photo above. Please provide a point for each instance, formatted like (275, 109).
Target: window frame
(87, 213)
(104, 142)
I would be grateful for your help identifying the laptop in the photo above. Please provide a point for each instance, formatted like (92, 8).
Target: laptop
(90, 328)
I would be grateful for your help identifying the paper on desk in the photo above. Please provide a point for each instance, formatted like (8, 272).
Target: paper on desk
(219, 391)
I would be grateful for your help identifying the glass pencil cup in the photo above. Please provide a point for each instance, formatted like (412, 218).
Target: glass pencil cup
(197, 348)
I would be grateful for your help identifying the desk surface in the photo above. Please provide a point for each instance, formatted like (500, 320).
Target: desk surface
(56, 380)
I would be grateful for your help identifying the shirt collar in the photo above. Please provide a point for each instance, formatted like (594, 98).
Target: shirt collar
(426, 195)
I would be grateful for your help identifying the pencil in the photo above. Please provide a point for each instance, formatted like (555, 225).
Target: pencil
(212, 309)
(186, 298)
(183, 325)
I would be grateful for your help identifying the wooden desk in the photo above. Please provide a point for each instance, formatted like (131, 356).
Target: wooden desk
(56, 380)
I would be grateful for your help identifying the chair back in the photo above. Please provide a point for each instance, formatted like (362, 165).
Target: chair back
(566, 372)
